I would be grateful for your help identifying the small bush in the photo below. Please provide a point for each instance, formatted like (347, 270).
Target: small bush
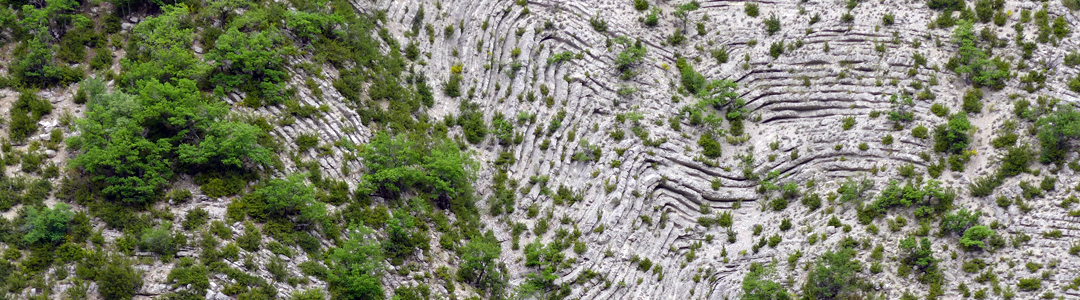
(195, 218)
(252, 238)
(888, 19)
(598, 23)
(772, 25)
(848, 122)
(751, 9)
(776, 49)
(641, 5)
(920, 132)
(118, 280)
(973, 101)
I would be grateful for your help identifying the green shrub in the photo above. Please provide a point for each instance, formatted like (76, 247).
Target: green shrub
(920, 132)
(1015, 161)
(190, 275)
(812, 201)
(772, 25)
(306, 141)
(357, 267)
(888, 19)
(721, 55)
(598, 23)
(653, 17)
(118, 280)
(939, 109)
(25, 113)
(776, 49)
(709, 146)
(641, 5)
(756, 284)
(974, 236)
(952, 137)
(751, 9)
(1029, 284)
(47, 226)
(833, 275)
(1055, 131)
(251, 240)
(195, 218)
(158, 240)
(973, 101)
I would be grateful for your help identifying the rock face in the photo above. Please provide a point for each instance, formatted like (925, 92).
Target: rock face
(829, 71)
(647, 193)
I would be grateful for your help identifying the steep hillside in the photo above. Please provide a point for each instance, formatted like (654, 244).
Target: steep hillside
(624, 149)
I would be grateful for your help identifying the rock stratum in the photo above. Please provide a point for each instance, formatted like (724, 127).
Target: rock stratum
(854, 150)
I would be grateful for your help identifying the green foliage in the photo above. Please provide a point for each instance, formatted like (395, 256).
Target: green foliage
(160, 49)
(598, 23)
(472, 122)
(1029, 284)
(776, 49)
(928, 199)
(253, 62)
(630, 57)
(47, 226)
(118, 280)
(34, 65)
(127, 163)
(436, 168)
(1055, 130)
(479, 266)
(974, 236)
(251, 240)
(751, 9)
(189, 274)
(25, 113)
(757, 286)
(917, 254)
(285, 199)
(158, 240)
(952, 137)
(641, 5)
(709, 146)
(357, 267)
(772, 25)
(972, 62)
(833, 276)
(973, 101)
(195, 218)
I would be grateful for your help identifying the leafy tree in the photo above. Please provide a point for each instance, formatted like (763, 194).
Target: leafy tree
(630, 57)
(919, 255)
(833, 275)
(974, 236)
(402, 236)
(232, 144)
(960, 221)
(252, 62)
(33, 66)
(47, 226)
(953, 137)
(160, 48)
(357, 266)
(127, 142)
(479, 264)
(437, 168)
(285, 199)
(973, 62)
(118, 280)
(756, 286)
(27, 110)
(1055, 131)
(682, 12)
